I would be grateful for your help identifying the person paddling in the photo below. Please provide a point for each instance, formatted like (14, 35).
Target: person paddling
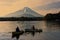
(17, 29)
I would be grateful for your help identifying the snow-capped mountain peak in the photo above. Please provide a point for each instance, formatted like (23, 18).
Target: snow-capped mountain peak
(26, 12)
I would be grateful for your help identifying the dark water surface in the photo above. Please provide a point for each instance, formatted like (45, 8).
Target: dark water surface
(51, 30)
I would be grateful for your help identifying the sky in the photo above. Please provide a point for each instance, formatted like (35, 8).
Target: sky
(40, 6)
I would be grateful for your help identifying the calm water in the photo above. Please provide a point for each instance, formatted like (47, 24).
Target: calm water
(51, 30)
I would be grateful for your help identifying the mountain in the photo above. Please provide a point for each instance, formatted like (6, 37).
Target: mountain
(26, 12)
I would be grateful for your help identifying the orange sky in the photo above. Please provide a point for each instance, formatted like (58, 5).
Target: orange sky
(9, 6)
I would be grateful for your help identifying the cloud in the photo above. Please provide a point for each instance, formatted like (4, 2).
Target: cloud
(55, 5)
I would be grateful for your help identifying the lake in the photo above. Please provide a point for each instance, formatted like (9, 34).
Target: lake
(51, 30)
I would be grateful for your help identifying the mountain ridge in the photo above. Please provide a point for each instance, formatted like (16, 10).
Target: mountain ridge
(25, 12)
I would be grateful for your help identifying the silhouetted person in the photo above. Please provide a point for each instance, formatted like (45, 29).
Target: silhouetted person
(17, 33)
(17, 29)
(33, 27)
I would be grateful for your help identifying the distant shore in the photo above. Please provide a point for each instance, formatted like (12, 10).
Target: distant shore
(21, 18)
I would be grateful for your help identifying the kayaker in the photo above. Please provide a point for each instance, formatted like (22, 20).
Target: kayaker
(17, 29)
(33, 27)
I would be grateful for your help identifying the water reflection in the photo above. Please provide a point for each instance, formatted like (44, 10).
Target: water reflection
(45, 25)
(52, 26)
(51, 30)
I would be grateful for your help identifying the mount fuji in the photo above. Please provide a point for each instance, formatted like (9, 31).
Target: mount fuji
(26, 12)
